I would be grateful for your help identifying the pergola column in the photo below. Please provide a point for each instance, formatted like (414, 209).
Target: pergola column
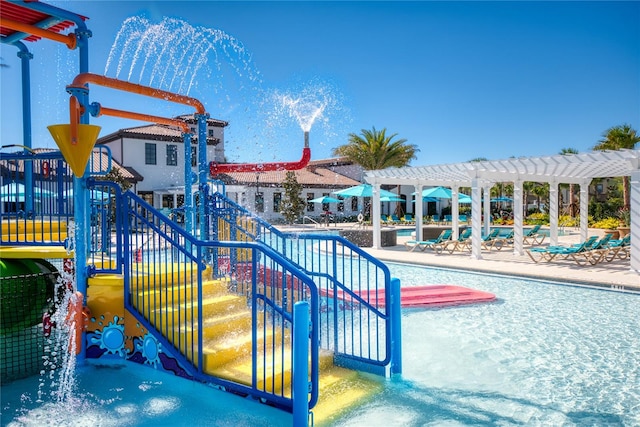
(553, 213)
(584, 210)
(487, 208)
(635, 220)
(476, 219)
(375, 215)
(455, 211)
(418, 209)
(517, 218)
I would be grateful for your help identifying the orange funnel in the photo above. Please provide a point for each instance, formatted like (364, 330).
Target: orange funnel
(75, 154)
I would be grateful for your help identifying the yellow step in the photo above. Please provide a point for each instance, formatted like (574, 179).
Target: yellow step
(31, 226)
(171, 294)
(40, 252)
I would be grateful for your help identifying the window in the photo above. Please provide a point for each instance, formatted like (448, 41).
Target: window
(194, 156)
(325, 206)
(310, 206)
(277, 200)
(193, 131)
(259, 202)
(167, 200)
(210, 133)
(340, 204)
(354, 204)
(149, 153)
(172, 155)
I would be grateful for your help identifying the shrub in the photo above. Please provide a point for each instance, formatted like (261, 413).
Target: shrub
(607, 223)
(538, 218)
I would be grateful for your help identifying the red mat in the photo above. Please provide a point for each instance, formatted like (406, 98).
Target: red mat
(429, 296)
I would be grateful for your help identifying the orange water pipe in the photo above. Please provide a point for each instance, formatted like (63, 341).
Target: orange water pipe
(68, 39)
(218, 168)
(144, 117)
(82, 79)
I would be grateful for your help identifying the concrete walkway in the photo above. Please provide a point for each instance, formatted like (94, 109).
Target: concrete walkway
(613, 275)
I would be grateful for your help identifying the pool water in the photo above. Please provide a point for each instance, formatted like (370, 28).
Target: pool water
(543, 354)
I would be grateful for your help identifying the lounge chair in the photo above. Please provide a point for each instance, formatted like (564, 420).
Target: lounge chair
(594, 254)
(461, 243)
(533, 236)
(447, 219)
(618, 248)
(435, 219)
(548, 253)
(501, 241)
(423, 245)
(491, 240)
(384, 219)
(463, 219)
(394, 219)
(408, 219)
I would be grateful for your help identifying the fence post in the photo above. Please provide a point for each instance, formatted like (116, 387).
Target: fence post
(301, 364)
(396, 328)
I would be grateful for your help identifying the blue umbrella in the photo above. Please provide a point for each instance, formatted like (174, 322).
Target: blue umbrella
(15, 193)
(95, 194)
(502, 199)
(391, 199)
(363, 190)
(325, 199)
(444, 193)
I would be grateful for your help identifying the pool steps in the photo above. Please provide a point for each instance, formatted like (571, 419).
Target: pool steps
(228, 341)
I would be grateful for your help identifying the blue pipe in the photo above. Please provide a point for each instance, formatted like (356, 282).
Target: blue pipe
(203, 169)
(25, 56)
(188, 197)
(396, 328)
(301, 364)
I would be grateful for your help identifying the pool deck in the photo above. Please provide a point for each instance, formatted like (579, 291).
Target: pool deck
(613, 274)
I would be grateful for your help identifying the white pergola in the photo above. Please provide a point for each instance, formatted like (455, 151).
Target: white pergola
(481, 176)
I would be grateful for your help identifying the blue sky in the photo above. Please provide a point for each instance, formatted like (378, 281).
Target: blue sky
(460, 80)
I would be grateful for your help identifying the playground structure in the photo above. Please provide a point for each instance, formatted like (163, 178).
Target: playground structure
(226, 299)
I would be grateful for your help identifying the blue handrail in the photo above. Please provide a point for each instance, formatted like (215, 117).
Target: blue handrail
(350, 282)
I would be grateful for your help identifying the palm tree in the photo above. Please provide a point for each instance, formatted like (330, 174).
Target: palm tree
(572, 190)
(616, 138)
(375, 150)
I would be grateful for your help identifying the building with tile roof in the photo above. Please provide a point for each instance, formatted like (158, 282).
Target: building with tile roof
(155, 155)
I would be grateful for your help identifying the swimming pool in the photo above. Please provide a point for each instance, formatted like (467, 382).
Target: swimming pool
(543, 354)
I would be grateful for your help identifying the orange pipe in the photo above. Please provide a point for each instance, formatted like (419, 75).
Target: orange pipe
(144, 117)
(74, 119)
(77, 318)
(218, 168)
(83, 79)
(68, 39)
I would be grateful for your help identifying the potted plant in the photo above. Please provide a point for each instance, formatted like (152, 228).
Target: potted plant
(625, 222)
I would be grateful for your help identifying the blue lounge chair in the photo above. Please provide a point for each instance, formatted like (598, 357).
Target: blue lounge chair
(447, 219)
(435, 219)
(423, 245)
(491, 240)
(593, 254)
(408, 219)
(618, 248)
(548, 253)
(461, 243)
(533, 236)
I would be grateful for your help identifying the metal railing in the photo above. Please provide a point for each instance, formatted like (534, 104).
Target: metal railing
(170, 275)
(355, 288)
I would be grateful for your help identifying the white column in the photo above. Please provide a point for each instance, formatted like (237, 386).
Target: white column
(476, 219)
(553, 213)
(375, 216)
(635, 221)
(517, 218)
(455, 211)
(487, 208)
(584, 210)
(418, 210)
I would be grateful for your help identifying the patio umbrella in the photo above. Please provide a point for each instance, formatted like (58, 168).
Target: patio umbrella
(325, 199)
(443, 193)
(391, 199)
(95, 194)
(502, 199)
(363, 190)
(15, 192)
